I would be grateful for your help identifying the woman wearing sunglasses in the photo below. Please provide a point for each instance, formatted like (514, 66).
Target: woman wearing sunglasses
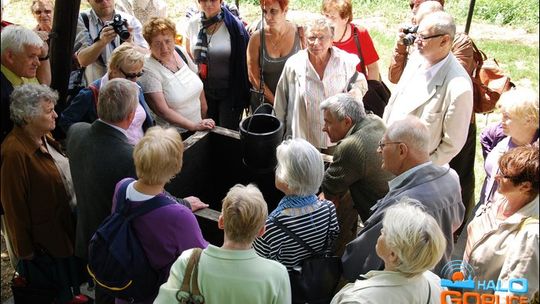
(125, 62)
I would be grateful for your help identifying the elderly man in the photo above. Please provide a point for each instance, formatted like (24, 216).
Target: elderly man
(405, 154)
(96, 38)
(24, 60)
(435, 88)
(462, 49)
(356, 165)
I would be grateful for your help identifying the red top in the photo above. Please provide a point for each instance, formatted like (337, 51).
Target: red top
(366, 44)
(5, 23)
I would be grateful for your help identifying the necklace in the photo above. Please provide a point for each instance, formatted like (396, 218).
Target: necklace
(173, 70)
(343, 35)
(275, 42)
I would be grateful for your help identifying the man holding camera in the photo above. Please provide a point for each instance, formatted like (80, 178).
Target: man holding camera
(462, 49)
(99, 32)
(436, 88)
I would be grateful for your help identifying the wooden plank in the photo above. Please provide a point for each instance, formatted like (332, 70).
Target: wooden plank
(209, 214)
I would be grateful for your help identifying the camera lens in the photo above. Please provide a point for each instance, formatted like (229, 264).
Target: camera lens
(408, 39)
(124, 35)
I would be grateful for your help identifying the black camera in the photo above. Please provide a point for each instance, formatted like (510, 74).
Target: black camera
(120, 27)
(409, 37)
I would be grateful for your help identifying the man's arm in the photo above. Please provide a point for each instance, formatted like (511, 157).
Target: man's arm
(360, 256)
(87, 55)
(342, 172)
(399, 59)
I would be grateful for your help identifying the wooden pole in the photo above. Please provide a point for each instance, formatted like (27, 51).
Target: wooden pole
(469, 16)
(62, 37)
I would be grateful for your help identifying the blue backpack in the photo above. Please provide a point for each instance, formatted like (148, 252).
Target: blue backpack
(116, 258)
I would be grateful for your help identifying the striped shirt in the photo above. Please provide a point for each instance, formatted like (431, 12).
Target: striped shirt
(313, 224)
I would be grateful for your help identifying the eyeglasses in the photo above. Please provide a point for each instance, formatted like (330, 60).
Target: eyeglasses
(501, 174)
(421, 37)
(131, 75)
(312, 39)
(381, 144)
(208, 1)
(38, 12)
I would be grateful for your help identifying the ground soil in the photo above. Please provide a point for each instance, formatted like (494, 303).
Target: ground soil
(7, 273)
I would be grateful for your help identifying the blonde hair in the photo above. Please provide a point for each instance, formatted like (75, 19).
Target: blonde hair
(244, 213)
(125, 55)
(521, 103)
(158, 155)
(414, 236)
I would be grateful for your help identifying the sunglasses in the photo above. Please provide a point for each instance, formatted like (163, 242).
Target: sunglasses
(38, 12)
(131, 75)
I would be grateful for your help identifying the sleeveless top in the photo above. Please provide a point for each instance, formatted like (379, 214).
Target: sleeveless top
(272, 67)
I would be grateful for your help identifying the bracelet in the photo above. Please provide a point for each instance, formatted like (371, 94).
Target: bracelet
(44, 58)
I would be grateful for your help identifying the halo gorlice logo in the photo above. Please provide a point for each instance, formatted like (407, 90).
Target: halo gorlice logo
(458, 276)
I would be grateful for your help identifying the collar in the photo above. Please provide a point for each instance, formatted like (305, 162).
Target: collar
(98, 20)
(529, 210)
(227, 254)
(430, 72)
(115, 127)
(392, 184)
(14, 79)
(384, 278)
(30, 146)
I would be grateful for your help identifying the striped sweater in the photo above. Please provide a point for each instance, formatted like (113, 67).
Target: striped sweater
(313, 224)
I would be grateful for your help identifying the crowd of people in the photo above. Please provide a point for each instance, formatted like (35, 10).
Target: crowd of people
(407, 176)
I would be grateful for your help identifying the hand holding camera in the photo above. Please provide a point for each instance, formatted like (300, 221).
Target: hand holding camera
(409, 36)
(117, 26)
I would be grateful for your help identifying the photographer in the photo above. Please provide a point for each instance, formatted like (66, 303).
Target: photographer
(99, 32)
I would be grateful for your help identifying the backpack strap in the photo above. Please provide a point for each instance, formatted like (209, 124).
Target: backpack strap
(122, 207)
(294, 236)
(186, 294)
(181, 54)
(95, 93)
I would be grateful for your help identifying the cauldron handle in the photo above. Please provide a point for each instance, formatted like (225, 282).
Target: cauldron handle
(257, 109)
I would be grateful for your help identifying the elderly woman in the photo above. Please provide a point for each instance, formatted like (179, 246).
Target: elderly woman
(299, 173)
(217, 41)
(502, 241)
(167, 231)
(281, 41)
(339, 13)
(125, 62)
(311, 76)
(170, 83)
(520, 113)
(411, 243)
(234, 273)
(37, 192)
(43, 12)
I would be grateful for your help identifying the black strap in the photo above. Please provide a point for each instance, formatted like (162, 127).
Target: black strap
(299, 240)
(352, 81)
(360, 55)
(429, 293)
(261, 53)
(177, 49)
(86, 21)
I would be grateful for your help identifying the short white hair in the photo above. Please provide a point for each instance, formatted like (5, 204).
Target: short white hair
(15, 37)
(441, 23)
(343, 105)
(26, 101)
(414, 236)
(300, 166)
(411, 131)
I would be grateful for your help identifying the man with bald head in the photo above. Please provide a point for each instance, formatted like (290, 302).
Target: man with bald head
(405, 153)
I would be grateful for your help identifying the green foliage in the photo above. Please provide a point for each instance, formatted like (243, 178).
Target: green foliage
(511, 12)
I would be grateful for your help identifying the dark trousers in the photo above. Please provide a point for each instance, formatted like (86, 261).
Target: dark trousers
(463, 164)
(221, 110)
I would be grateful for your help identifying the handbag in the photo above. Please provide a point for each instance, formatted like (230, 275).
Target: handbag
(189, 293)
(378, 94)
(25, 291)
(317, 279)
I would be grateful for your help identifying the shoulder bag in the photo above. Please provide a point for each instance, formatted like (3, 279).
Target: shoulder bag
(189, 293)
(378, 93)
(319, 275)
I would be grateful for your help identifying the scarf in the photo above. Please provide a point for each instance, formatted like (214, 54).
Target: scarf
(293, 201)
(200, 50)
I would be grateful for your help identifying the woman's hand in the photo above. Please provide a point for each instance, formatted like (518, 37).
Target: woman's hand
(205, 124)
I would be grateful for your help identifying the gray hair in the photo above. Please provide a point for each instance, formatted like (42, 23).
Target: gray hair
(344, 104)
(319, 24)
(441, 23)
(414, 236)
(411, 131)
(426, 8)
(15, 37)
(300, 166)
(117, 99)
(26, 101)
